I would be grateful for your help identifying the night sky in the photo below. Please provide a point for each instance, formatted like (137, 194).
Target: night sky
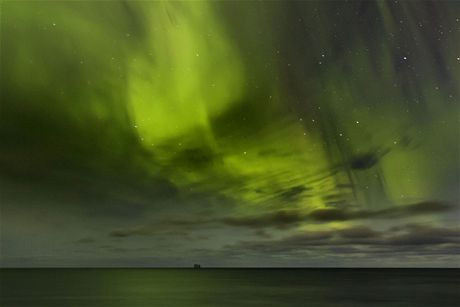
(227, 133)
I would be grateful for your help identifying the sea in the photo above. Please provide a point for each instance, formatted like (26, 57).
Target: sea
(229, 287)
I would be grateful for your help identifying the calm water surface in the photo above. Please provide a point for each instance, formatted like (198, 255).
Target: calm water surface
(229, 287)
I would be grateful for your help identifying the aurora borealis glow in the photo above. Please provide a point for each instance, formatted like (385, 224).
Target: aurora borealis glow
(259, 133)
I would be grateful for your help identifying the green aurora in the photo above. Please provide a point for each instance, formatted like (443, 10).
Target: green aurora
(162, 133)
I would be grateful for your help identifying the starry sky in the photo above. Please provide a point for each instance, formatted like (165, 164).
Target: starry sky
(225, 133)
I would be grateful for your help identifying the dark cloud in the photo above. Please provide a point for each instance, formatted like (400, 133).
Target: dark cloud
(423, 235)
(126, 232)
(332, 214)
(358, 232)
(91, 194)
(425, 207)
(285, 219)
(279, 219)
(364, 161)
(195, 158)
(118, 249)
(292, 193)
(342, 214)
(361, 239)
(163, 227)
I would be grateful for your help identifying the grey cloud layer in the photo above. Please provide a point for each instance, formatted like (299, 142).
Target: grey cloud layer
(284, 219)
(414, 240)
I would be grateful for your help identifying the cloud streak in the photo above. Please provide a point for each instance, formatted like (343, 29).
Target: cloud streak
(285, 219)
(361, 239)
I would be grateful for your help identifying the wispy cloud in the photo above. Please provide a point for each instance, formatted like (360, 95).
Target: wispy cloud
(361, 239)
(284, 219)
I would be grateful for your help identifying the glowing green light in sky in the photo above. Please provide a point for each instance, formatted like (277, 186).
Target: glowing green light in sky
(187, 72)
(140, 111)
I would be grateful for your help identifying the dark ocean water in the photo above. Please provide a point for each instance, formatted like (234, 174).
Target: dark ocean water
(229, 287)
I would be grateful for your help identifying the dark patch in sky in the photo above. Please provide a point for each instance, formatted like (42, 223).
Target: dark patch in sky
(364, 161)
(343, 214)
(424, 237)
(195, 158)
(286, 219)
(358, 232)
(329, 214)
(293, 193)
(280, 219)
